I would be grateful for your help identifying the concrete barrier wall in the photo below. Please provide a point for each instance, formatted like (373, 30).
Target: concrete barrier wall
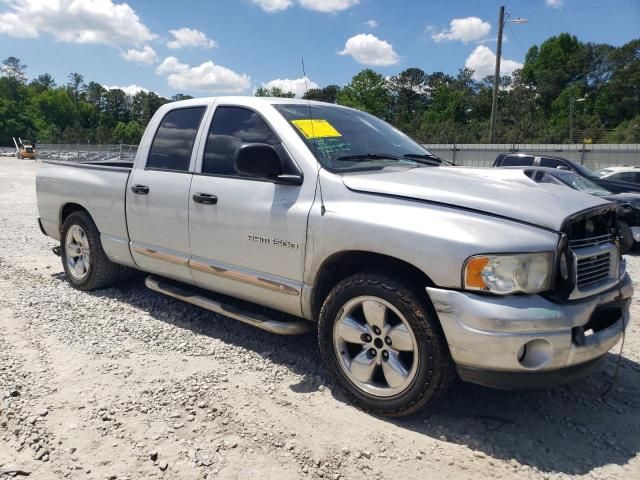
(593, 156)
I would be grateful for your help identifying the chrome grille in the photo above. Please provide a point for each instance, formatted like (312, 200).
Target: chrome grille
(596, 261)
(593, 270)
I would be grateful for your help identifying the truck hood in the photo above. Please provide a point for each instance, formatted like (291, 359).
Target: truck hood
(507, 193)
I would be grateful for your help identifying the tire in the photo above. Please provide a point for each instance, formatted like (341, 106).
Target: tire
(409, 316)
(99, 271)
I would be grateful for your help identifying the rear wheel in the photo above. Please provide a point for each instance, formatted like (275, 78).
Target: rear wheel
(83, 259)
(381, 341)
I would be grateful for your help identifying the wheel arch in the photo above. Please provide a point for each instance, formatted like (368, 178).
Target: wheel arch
(341, 265)
(69, 208)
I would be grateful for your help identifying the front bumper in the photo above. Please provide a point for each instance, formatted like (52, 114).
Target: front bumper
(522, 341)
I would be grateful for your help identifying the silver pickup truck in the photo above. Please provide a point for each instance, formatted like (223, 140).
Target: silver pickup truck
(290, 215)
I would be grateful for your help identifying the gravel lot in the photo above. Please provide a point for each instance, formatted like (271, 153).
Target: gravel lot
(126, 383)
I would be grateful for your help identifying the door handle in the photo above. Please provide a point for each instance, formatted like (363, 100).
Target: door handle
(141, 189)
(205, 198)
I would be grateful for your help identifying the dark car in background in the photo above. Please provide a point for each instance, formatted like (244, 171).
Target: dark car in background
(628, 203)
(538, 160)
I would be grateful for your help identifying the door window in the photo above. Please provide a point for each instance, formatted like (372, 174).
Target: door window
(231, 128)
(625, 177)
(517, 161)
(173, 143)
(552, 163)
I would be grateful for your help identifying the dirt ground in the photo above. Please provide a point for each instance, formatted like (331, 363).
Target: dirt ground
(127, 384)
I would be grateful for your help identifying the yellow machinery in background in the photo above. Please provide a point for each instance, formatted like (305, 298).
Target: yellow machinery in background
(25, 148)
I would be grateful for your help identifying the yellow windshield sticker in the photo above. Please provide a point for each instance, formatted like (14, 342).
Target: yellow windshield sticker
(316, 128)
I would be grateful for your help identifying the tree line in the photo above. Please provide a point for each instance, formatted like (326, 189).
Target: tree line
(74, 112)
(567, 91)
(600, 83)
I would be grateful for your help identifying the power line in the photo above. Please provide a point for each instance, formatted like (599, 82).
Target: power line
(581, 9)
(516, 40)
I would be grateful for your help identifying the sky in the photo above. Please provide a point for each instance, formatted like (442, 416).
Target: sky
(232, 47)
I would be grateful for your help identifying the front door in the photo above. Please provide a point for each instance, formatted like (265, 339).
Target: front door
(247, 234)
(158, 197)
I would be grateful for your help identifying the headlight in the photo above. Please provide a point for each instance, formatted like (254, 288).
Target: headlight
(511, 273)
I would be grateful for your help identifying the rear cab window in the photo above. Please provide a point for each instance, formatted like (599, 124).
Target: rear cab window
(173, 143)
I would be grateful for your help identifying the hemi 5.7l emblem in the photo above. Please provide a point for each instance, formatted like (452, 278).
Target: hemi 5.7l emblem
(276, 242)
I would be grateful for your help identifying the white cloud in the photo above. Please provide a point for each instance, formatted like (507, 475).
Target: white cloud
(273, 5)
(554, 3)
(483, 61)
(371, 23)
(368, 49)
(328, 5)
(147, 55)
(464, 29)
(169, 65)
(296, 85)
(316, 5)
(206, 77)
(129, 89)
(188, 37)
(77, 21)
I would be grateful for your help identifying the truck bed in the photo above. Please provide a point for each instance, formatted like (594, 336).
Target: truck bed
(98, 187)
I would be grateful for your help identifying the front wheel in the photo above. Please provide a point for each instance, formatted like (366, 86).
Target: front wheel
(381, 341)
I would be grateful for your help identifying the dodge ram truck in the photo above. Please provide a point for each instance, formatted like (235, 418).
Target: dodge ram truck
(293, 216)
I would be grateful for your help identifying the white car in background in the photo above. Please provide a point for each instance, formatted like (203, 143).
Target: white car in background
(620, 174)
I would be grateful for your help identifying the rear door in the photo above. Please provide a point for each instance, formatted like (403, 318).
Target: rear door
(158, 196)
(248, 240)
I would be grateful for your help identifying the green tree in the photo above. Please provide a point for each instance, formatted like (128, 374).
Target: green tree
(14, 69)
(557, 62)
(42, 82)
(408, 91)
(180, 96)
(367, 91)
(328, 94)
(75, 85)
(273, 92)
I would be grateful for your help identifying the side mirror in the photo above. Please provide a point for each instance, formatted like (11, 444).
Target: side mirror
(262, 160)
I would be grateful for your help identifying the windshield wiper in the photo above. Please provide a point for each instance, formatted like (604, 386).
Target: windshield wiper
(434, 159)
(368, 156)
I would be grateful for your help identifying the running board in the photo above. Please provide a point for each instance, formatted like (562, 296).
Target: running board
(280, 327)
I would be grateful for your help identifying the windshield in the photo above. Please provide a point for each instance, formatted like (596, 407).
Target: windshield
(583, 184)
(584, 171)
(349, 140)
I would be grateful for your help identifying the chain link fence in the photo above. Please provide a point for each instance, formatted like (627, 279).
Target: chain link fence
(85, 152)
(593, 156)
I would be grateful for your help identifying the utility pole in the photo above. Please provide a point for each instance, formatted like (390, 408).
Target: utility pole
(496, 79)
(572, 102)
(571, 118)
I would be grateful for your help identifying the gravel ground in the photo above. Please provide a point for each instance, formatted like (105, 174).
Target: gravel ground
(126, 383)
